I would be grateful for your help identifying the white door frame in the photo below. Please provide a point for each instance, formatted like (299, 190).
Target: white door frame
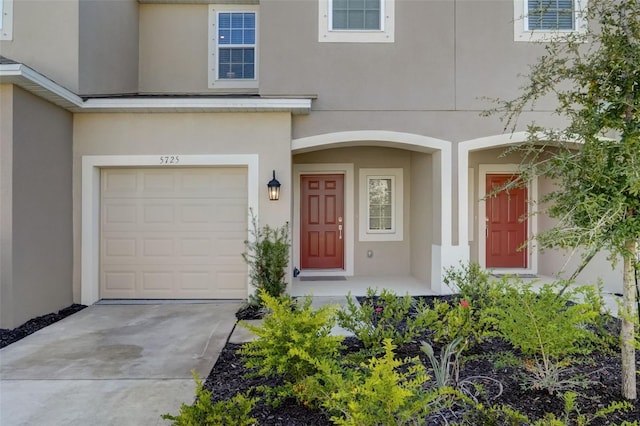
(349, 223)
(532, 224)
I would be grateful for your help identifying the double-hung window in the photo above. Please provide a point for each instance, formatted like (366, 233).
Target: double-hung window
(540, 20)
(6, 19)
(357, 21)
(381, 195)
(550, 15)
(233, 56)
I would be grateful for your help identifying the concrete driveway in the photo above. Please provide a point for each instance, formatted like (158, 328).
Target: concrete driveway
(112, 364)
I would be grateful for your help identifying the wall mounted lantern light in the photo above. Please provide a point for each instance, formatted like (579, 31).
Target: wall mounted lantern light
(274, 188)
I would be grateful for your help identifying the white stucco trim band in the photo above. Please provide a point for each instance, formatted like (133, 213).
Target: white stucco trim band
(90, 239)
(34, 82)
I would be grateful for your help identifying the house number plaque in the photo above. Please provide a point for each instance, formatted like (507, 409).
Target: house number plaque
(169, 159)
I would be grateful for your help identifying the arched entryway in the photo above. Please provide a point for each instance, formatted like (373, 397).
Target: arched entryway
(383, 202)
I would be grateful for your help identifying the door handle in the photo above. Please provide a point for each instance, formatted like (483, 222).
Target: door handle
(340, 229)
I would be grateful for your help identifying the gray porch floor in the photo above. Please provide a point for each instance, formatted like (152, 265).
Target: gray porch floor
(358, 286)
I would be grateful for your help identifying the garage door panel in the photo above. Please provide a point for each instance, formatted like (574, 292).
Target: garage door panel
(169, 234)
(231, 281)
(122, 281)
(120, 213)
(120, 182)
(153, 214)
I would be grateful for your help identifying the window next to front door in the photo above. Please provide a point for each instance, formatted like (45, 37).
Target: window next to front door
(380, 206)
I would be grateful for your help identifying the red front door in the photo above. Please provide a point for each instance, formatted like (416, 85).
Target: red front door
(506, 224)
(322, 222)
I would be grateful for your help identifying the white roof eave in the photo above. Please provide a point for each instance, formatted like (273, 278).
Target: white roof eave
(36, 83)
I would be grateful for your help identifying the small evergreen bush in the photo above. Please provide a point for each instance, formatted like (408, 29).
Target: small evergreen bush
(291, 334)
(382, 391)
(548, 327)
(232, 412)
(267, 254)
(386, 316)
(469, 315)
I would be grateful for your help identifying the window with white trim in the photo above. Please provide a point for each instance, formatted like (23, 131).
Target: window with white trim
(233, 46)
(381, 195)
(6, 19)
(541, 20)
(356, 21)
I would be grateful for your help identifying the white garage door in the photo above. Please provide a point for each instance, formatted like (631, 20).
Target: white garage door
(173, 233)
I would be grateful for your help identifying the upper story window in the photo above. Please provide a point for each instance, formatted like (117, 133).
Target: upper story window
(233, 46)
(550, 15)
(6, 19)
(540, 20)
(356, 21)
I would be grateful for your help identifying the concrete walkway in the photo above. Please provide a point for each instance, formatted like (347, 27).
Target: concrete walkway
(112, 364)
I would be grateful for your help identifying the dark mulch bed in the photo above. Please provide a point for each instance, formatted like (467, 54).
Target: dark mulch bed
(229, 376)
(8, 337)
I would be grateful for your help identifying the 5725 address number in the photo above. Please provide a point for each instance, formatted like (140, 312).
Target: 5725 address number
(169, 159)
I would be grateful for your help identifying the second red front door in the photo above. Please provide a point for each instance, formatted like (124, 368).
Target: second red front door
(506, 224)
(322, 221)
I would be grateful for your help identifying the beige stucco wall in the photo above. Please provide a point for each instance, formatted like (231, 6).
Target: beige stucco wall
(421, 213)
(173, 48)
(6, 203)
(108, 47)
(265, 134)
(45, 37)
(38, 250)
(566, 262)
(389, 257)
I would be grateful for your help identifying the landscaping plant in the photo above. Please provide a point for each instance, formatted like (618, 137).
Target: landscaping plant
(468, 316)
(446, 370)
(385, 316)
(593, 77)
(384, 390)
(549, 328)
(267, 254)
(290, 335)
(232, 412)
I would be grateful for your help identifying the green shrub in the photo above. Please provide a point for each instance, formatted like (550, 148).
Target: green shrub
(232, 412)
(472, 282)
(572, 415)
(468, 316)
(503, 415)
(382, 391)
(386, 316)
(267, 254)
(495, 415)
(290, 334)
(549, 328)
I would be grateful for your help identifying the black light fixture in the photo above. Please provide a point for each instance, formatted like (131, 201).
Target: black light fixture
(274, 188)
